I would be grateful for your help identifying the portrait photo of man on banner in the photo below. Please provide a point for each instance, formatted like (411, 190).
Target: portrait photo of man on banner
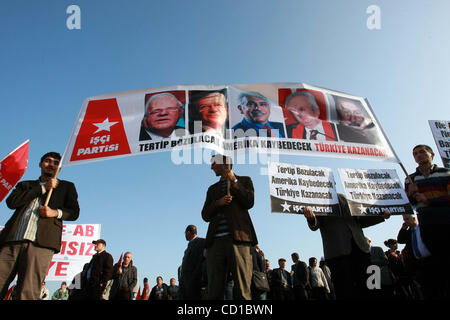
(208, 111)
(255, 115)
(306, 115)
(354, 123)
(164, 115)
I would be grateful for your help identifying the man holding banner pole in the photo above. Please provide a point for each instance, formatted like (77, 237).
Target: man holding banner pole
(33, 234)
(429, 191)
(345, 248)
(230, 232)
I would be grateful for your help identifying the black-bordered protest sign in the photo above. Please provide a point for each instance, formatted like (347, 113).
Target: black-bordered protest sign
(370, 191)
(441, 134)
(293, 187)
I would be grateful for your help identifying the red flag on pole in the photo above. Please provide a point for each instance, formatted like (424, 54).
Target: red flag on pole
(8, 294)
(119, 263)
(13, 166)
(138, 296)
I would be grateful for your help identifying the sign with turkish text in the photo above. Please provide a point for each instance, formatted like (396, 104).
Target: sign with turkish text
(441, 134)
(292, 187)
(77, 249)
(370, 191)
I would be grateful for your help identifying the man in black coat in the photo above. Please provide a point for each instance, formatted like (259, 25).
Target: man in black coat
(99, 272)
(419, 264)
(301, 278)
(192, 275)
(33, 234)
(345, 247)
(281, 282)
(160, 291)
(125, 279)
(230, 232)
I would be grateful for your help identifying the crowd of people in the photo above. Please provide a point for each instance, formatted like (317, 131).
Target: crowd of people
(228, 263)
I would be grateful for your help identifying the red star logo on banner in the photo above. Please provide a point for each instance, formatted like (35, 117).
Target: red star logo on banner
(102, 133)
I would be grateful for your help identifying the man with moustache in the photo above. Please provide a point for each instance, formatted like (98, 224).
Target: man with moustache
(162, 112)
(305, 110)
(33, 234)
(256, 110)
(208, 111)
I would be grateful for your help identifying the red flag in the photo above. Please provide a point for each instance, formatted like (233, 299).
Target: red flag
(8, 294)
(102, 133)
(138, 297)
(13, 166)
(119, 263)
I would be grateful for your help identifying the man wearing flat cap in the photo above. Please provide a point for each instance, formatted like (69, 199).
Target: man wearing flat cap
(99, 272)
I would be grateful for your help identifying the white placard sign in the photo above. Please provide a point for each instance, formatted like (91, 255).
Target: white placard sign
(294, 186)
(76, 250)
(370, 191)
(441, 134)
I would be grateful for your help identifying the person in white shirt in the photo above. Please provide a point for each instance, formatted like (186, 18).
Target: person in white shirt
(318, 281)
(45, 294)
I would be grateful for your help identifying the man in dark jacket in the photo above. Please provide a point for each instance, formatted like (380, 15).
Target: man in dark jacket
(300, 274)
(230, 232)
(281, 282)
(419, 263)
(33, 234)
(345, 247)
(99, 272)
(430, 195)
(125, 279)
(160, 291)
(259, 265)
(193, 265)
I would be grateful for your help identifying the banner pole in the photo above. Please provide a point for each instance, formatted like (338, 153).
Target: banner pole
(406, 173)
(228, 180)
(389, 142)
(56, 176)
(49, 194)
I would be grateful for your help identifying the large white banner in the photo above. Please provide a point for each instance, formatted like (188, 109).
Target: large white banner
(288, 118)
(292, 187)
(370, 191)
(441, 134)
(76, 250)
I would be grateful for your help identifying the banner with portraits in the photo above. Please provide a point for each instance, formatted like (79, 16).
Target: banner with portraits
(284, 118)
(441, 134)
(292, 187)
